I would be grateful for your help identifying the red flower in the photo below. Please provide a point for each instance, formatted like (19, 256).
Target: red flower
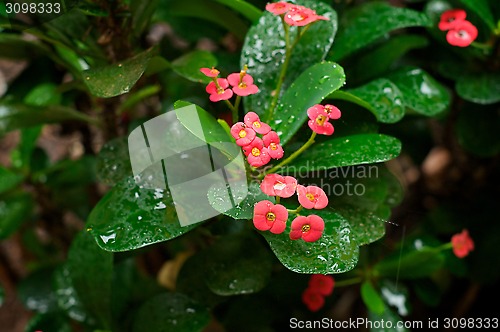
(322, 284)
(272, 143)
(332, 111)
(242, 84)
(279, 8)
(462, 34)
(252, 120)
(277, 185)
(270, 217)
(462, 244)
(312, 197)
(450, 18)
(218, 90)
(319, 120)
(257, 154)
(301, 16)
(242, 134)
(308, 228)
(313, 300)
(210, 72)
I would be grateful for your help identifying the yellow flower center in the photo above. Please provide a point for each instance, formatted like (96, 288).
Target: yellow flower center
(255, 152)
(256, 124)
(273, 146)
(306, 228)
(242, 85)
(320, 120)
(310, 197)
(242, 133)
(328, 109)
(270, 216)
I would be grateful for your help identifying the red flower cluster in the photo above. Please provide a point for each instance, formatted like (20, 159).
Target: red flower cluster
(319, 287)
(267, 215)
(294, 15)
(241, 84)
(462, 244)
(460, 31)
(258, 151)
(319, 117)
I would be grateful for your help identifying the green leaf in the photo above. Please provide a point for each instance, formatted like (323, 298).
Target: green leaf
(116, 79)
(237, 265)
(335, 252)
(113, 161)
(15, 47)
(482, 88)
(14, 210)
(381, 97)
(371, 298)
(217, 197)
(264, 53)
(91, 271)
(16, 116)
(381, 17)
(36, 293)
(310, 88)
(375, 63)
(482, 9)
(21, 155)
(421, 92)
(396, 295)
(188, 65)
(390, 320)
(367, 226)
(44, 94)
(8, 179)
(244, 8)
(346, 151)
(129, 217)
(142, 11)
(54, 322)
(411, 265)
(171, 312)
(477, 130)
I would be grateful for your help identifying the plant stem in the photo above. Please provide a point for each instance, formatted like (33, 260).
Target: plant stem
(237, 107)
(233, 109)
(297, 210)
(293, 155)
(348, 282)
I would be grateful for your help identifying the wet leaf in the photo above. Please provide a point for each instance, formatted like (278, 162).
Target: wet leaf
(381, 97)
(481, 88)
(310, 88)
(367, 226)
(116, 79)
(382, 18)
(264, 53)
(188, 65)
(421, 92)
(335, 252)
(113, 161)
(171, 312)
(347, 151)
(14, 210)
(371, 298)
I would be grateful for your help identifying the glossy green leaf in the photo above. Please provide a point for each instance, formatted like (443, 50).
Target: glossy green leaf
(129, 217)
(367, 226)
(91, 270)
(382, 18)
(375, 63)
(482, 88)
(421, 92)
(116, 79)
(36, 293)
(335, 252)
(381, 97)
(264, 53)
(16, 116)
(411, 265)
(237, 265)
(188, 65)
(482, 9)
(54, 322)
(14, 210)
(477, 130)
(371, 298)
(310, 88)
(113, 161)
(217, 197)
(347, 151)
(8, 179)
(171, 312)
(244, 8)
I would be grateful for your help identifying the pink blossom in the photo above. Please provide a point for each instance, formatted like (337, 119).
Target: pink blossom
(332, 111)
(219, 91)
(313, 300)
(322, 284)
(462, 244)
(312, 197)
(301, 16)
(462, 34)
(319, 120)
(270, 217)
(278, 185)
(450, 18)
(279, 8)
(252, 120)
(210, 72)
(257, 154)
(242, 84)
(242, 134)
(308, 228)
(272, 143)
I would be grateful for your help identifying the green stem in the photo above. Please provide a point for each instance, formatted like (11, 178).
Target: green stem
(348, 282)
(444, 246)
(237, 107)
(296, 211)
(277, 199)
(233, 109)
(482, 46)
(292, 156)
